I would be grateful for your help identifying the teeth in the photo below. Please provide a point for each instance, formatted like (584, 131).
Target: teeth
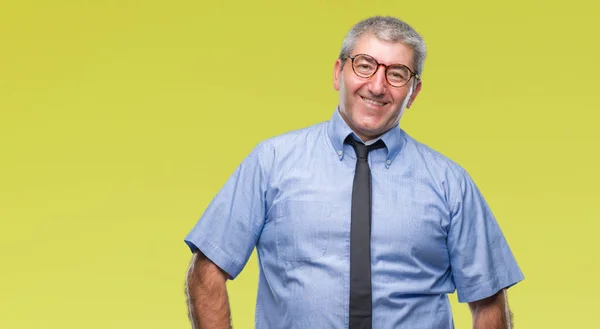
(370, 101)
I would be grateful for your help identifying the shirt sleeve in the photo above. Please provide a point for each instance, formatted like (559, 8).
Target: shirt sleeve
(481, 261)
(228, 229)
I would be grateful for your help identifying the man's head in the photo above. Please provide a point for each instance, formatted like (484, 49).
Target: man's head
(372, 103)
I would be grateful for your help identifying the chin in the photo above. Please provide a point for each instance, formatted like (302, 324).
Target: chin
(372, 132)
(371, 126)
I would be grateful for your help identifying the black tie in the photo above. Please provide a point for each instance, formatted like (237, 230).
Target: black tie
(360, 239)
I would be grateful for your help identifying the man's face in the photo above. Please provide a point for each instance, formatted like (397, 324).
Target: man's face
(370, 106)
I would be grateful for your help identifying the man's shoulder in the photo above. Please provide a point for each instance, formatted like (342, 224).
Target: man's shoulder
(432, 158)
(294, 142)
(294, 138)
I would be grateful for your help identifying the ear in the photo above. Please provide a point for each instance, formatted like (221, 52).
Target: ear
(414, 94)
(337, 72)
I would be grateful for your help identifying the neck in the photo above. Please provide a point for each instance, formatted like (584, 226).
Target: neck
(363, 137)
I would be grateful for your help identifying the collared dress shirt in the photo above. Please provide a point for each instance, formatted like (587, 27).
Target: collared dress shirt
(432, 232)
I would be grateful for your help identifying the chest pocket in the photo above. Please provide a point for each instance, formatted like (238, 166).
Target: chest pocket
(302, 229)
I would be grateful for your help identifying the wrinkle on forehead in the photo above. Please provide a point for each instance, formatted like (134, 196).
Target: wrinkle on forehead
(385, 52)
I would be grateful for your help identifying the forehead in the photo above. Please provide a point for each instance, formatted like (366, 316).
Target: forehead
(383, 51)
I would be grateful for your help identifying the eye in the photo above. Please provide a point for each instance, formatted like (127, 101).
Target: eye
(363, 68)
(398, 74)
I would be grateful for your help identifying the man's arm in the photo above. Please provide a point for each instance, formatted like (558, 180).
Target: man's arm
(492, 312)
(206, 291)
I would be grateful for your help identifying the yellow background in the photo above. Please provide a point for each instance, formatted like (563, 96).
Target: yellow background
(120, 120)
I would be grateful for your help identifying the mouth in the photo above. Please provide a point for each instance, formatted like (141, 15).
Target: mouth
(372, 102)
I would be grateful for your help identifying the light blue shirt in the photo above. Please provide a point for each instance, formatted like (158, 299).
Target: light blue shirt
(432, 231)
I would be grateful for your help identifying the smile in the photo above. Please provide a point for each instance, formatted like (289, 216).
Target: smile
(370, 101)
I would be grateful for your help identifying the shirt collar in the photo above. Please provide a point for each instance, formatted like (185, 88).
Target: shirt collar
(338, 130)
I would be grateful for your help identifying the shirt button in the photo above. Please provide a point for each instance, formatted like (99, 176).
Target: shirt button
(388, 162)
(340, 153)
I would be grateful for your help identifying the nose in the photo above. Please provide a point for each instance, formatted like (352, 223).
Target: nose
(378, 82)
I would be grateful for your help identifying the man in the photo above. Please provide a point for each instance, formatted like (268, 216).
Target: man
(356, 224)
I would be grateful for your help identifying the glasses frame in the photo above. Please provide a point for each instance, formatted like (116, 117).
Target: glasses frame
(412, 74)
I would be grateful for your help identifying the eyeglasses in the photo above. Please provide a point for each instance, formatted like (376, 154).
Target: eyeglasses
(397, 75)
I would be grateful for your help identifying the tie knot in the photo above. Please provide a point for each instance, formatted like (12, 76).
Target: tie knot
(362, 150)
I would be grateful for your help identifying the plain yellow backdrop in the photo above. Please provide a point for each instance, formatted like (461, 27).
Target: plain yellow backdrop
(120, 120)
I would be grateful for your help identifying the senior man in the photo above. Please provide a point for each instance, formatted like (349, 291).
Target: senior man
(356, 224)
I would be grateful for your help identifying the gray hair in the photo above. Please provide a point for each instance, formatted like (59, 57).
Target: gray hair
(388, 29)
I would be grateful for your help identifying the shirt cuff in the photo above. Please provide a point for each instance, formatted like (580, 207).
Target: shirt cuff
(488, 288)
(221, 258)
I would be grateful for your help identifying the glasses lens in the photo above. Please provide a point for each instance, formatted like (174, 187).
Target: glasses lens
(398, 75)
(364, 66)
